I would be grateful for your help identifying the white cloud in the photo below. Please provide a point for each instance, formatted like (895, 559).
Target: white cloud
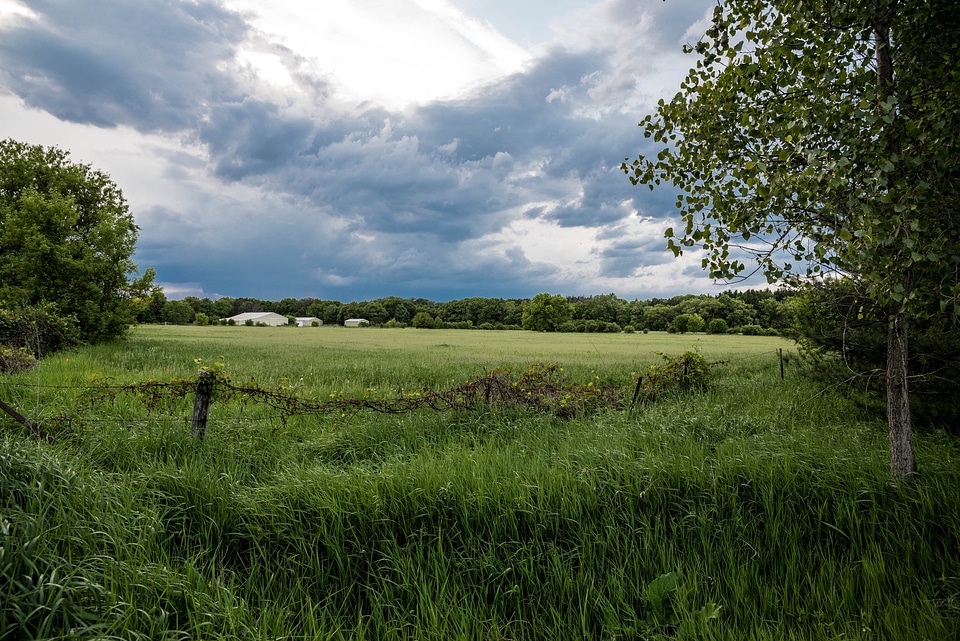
(11, 10)
(391, 52)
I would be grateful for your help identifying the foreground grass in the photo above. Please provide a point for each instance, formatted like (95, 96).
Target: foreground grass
(755, 509)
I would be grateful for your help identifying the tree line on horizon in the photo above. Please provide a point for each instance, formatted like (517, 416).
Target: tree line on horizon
(748, 311)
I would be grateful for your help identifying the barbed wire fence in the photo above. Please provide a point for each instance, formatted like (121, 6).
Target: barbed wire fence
(539, 387)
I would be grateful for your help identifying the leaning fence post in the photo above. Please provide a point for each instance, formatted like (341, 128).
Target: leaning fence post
(201, 402)
(17, 416)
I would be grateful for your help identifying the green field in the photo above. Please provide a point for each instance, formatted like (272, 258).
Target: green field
(753, 508)
(326, 356)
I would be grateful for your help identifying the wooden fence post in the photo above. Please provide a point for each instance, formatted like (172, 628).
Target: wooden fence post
(201, 402)
(17, 416)
(636, 394)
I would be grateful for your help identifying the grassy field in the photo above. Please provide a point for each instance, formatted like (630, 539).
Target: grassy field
(754, 508)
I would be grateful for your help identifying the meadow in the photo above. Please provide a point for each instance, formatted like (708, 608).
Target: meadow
(753, 507)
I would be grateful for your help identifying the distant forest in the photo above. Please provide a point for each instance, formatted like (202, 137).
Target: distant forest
(748, 312)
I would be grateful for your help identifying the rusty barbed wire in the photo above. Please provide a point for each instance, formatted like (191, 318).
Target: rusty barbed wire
(541, 387)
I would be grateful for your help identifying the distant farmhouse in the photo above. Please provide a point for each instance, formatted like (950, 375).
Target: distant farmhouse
(355, 322)
(308, 321)
(263, 318)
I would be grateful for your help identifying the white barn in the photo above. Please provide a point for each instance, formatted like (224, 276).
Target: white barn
(355, 322)
(266, 318)
(308, 321)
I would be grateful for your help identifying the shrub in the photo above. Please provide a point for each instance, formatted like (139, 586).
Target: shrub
(676, 373)
(842, 337)
(39, 328)
(717, 326)
(201, 319)
(592, 326)
(751, 330)
(16, 359)
(423, 320)
(687, 323)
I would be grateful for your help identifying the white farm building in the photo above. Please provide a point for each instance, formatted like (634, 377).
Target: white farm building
(355, 322)
(308, 321)
(263, 318)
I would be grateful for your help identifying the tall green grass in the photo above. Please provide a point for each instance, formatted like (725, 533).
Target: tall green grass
(752, 509)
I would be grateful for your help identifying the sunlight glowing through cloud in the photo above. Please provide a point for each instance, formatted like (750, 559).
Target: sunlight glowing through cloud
(391, 52)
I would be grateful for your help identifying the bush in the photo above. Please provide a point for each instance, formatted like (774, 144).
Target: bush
(423, 320)
(592, 326)
(676, 373)
(751, 330)
(39, 328)
(201, 319)
(717, 326)
(842, 337)
(16, 359)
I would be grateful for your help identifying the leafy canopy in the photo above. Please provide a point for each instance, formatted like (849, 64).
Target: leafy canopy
(546, 313)
(818, 136)
(66, 238)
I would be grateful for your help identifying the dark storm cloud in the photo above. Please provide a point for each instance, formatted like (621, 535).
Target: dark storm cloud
(253, 137)
(353, 198)
(149, 65)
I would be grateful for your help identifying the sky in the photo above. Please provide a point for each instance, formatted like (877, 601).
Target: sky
(356, 149)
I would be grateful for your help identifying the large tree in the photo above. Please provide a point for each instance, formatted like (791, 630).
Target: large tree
(67, 237)
(823, 136)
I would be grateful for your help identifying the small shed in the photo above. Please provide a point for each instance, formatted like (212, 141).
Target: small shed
(308, 321)
(262, 318)
(355, 322)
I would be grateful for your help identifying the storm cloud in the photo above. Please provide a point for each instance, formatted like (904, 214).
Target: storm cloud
(260, 177)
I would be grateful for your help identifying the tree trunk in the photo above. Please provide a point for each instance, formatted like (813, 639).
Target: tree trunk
(898, 399)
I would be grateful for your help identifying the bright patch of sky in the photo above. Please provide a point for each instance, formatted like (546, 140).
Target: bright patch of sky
(392, 53)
